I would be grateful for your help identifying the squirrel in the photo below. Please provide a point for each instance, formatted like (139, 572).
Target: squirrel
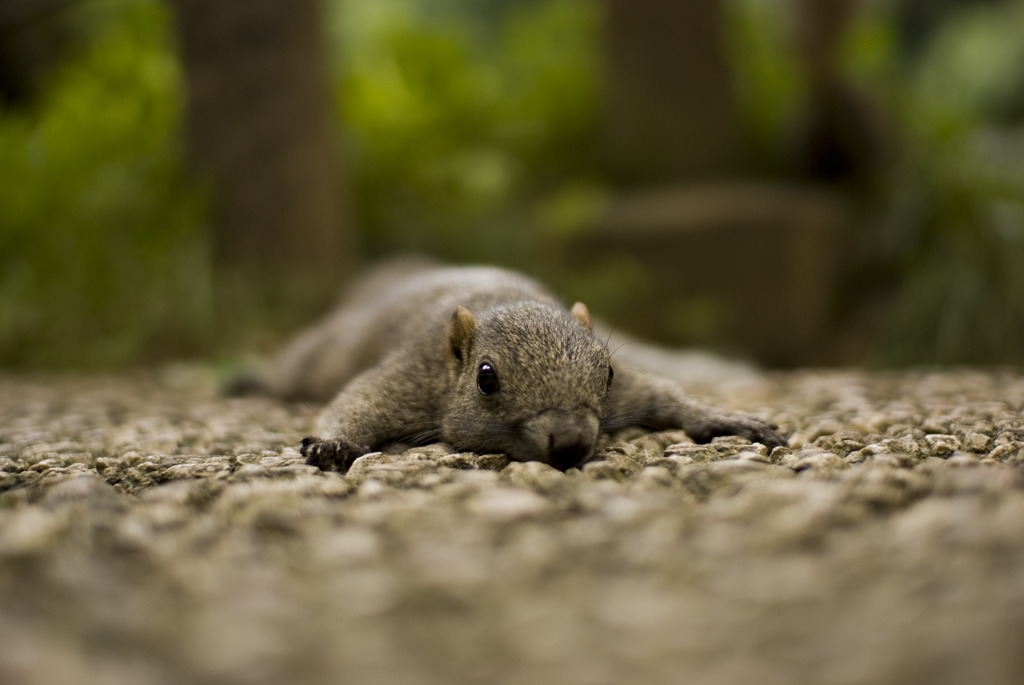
(484, 359)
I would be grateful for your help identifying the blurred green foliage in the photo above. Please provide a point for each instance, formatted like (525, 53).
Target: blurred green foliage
(951, 226)
(102, 257)
(767, 75)
(455, 115)
(942, 239)
(457, 120)
(471, 130)
(451, 119)
(771, 84)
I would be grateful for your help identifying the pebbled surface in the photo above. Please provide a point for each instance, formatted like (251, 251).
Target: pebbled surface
(152, 531)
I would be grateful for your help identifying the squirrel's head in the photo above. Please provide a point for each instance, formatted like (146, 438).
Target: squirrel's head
(528, 380)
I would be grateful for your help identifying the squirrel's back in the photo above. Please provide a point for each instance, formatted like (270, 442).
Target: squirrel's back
(400, 305)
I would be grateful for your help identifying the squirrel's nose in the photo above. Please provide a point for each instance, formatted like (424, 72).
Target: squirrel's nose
(566, 455)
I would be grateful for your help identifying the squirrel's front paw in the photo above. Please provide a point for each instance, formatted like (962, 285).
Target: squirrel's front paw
(754, 430)
(767, 434)
(331, 455)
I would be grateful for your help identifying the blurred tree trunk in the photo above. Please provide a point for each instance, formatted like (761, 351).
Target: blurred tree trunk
(671, 112)
(34, 36)
(843, 136)
(258, 129)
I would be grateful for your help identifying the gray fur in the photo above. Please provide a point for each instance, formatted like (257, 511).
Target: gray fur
(406, 356)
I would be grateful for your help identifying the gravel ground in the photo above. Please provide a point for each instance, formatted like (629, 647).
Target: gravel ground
(154, 532)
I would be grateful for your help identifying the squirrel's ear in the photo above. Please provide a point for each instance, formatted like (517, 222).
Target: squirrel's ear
(460, 332)
(582, 314)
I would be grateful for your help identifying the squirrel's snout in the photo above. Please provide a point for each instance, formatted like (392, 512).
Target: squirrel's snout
(564, 438)
(564, 457)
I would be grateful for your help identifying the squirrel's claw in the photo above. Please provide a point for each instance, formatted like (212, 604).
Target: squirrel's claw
(754, 430)
(330, 455)
(764, 433)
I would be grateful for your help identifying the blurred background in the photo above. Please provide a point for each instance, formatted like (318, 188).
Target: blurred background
(799, 182)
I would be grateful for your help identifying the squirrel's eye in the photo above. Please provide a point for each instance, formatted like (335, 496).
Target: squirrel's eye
(611, 375)
(487, 380)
